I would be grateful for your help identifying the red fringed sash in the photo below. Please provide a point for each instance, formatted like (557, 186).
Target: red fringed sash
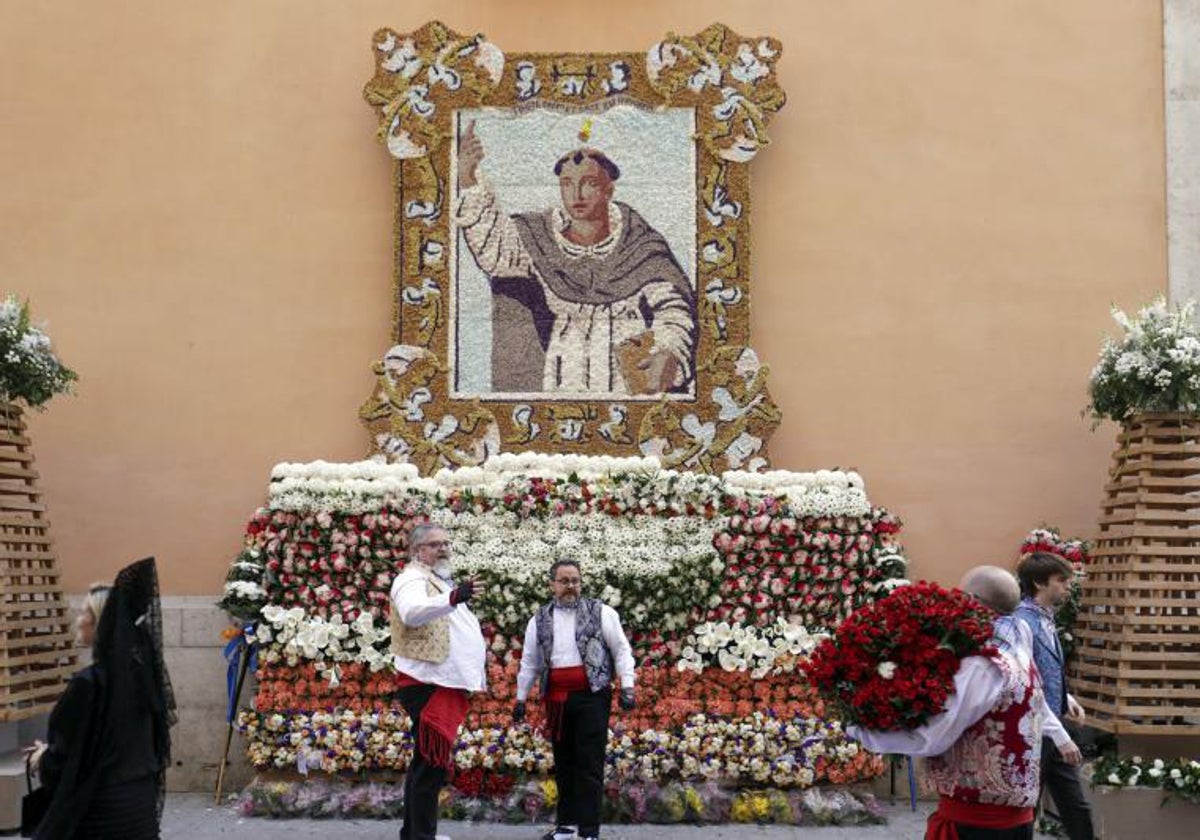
(562, 682)
(441, 718)
(941, 825)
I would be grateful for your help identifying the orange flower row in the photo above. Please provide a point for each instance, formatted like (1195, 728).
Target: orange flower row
(666, 696)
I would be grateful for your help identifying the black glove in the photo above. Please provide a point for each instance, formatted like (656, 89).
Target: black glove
(628, 704)
(462, 593)
(519, 712)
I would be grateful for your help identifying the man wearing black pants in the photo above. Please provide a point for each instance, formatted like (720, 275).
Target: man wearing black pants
(575, 646)
(1045, 586)
(439, 657)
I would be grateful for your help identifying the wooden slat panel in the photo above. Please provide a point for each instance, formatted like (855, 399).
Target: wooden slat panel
(36, 633)
(24, 660)
(27, 473)
(8, 503)
(1181, 518)
(9, 715)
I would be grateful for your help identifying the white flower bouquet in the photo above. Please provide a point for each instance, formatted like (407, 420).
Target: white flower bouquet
(29, 370)
(1154, 366)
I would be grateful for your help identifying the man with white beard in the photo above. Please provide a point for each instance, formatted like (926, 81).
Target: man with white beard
(439, 658)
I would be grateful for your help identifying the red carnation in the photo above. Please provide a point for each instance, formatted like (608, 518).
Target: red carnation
(891, 664)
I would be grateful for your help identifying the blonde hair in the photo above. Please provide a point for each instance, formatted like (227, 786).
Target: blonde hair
(96, 598)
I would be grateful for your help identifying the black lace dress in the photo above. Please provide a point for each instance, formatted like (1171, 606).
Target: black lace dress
(108, 742)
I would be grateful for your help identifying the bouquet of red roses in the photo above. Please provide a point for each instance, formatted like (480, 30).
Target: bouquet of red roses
(891, 664)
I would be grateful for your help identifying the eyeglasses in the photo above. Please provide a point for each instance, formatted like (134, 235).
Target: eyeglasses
(568, 581)
(435, 544)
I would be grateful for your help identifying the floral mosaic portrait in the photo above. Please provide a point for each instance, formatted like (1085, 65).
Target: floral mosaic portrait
(572, 250)
(574, 254)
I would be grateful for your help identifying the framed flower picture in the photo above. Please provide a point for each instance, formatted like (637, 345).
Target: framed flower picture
(572, 250)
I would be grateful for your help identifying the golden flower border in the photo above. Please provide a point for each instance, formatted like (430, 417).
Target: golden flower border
(421, 79)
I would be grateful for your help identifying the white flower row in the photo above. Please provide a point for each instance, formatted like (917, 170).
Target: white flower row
(369, 470)
(775, 649)
(641, 546)
(776, 481)
(290, 635)
(245, 589)
(544, 465)
(361, 486)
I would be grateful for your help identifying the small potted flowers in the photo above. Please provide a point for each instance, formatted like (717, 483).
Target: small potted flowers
(1132, 793)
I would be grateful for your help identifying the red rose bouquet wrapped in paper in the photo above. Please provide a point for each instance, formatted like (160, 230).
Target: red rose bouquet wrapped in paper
(890, 665)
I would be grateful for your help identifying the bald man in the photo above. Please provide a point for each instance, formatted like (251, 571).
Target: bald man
(984, 749)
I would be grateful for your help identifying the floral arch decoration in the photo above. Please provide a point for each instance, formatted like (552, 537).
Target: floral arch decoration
(572, 254)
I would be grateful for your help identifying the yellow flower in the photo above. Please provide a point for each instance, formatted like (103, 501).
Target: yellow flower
(550, 791)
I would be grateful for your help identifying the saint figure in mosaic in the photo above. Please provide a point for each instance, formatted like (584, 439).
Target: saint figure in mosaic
(587, 297)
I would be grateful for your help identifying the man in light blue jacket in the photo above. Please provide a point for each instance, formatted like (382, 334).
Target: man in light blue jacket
(1045, 586)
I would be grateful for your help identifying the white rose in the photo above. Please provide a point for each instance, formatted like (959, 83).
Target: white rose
(887, 670)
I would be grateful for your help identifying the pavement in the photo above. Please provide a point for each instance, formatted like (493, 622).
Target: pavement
(193, 816)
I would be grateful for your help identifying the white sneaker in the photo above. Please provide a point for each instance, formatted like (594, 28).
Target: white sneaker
(560, 832)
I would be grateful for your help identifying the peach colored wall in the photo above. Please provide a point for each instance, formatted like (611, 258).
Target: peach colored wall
(193, 198)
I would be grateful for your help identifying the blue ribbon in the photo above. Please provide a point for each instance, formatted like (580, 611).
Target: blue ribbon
(238, 647)
(912, 782)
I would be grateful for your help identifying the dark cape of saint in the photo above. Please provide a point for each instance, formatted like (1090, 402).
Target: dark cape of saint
(521, 318)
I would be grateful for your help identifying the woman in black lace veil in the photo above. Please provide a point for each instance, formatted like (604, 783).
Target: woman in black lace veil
(109, 741)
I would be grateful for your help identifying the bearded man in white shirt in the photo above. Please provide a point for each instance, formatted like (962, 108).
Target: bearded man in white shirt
(984, 749)
(439, 658)
(574, 646)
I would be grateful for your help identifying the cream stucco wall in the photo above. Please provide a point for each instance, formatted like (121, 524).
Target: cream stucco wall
(193, 198)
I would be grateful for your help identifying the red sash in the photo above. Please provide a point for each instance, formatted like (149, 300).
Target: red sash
(441, 718)
(951, 812)
(562, 682)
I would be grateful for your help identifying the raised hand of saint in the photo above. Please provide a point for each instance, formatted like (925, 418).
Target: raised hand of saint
(470, 155)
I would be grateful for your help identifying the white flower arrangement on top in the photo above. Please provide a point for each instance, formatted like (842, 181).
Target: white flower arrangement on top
(1154, 366)
(367, 470)
(361, 487)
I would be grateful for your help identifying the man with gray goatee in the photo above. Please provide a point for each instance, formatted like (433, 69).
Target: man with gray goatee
(575, 646)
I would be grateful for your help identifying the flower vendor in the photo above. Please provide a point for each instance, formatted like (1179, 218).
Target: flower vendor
(573, 646)
(984, 749)
(1045, 586)
(439, 657)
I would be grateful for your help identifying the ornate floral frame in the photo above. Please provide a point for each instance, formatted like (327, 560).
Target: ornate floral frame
(421, 79)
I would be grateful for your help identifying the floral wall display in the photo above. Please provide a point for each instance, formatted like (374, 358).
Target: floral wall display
(572, 250)
(725, 583)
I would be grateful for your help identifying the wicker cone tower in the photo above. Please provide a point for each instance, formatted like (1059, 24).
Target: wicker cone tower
(36, 636)
(1137, 666)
